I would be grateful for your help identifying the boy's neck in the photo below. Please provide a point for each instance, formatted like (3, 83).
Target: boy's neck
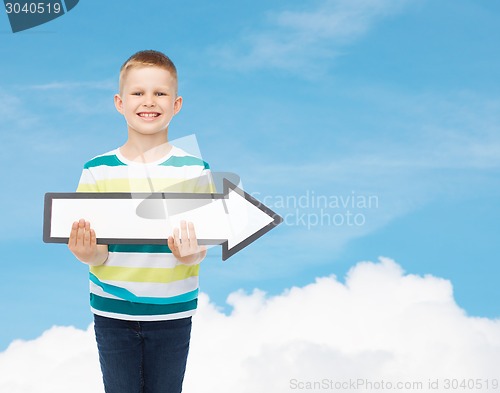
(145, 149)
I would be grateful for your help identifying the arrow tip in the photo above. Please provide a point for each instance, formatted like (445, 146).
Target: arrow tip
(272, 219)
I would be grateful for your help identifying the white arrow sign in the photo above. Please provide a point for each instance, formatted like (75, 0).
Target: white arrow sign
(233, 219)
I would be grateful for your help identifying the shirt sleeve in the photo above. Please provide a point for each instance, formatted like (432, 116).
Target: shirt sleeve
(87, 182)
(205, 183)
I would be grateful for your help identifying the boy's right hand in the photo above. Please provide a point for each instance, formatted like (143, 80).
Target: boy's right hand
(83, 244)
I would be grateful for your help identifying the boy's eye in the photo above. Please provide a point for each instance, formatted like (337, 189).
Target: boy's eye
(137, 93)
(161, 94)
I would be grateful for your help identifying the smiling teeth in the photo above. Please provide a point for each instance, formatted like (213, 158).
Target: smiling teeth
(148, 114)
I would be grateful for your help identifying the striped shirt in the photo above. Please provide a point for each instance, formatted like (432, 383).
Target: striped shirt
(144, 282)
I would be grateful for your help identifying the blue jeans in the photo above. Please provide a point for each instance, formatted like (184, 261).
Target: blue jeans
(142, 357)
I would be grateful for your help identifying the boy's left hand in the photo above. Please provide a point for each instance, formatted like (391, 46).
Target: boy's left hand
(185, 247)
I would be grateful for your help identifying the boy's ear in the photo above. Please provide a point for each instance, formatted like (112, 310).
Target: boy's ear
(177, 105)
(118, 103)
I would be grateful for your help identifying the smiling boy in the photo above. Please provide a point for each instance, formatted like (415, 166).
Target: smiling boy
(143, 296)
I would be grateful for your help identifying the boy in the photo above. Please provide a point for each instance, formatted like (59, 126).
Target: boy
(143, 296)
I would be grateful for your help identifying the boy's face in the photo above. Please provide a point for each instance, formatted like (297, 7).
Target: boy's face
(148, 100)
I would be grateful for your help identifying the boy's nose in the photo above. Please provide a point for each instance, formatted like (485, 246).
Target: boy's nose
(149, 100)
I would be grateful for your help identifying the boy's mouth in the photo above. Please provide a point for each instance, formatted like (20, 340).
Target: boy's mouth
(148, 115)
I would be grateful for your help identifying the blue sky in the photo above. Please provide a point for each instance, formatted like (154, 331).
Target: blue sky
(396, 100)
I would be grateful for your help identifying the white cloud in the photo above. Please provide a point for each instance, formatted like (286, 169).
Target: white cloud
(62, 359)
(381, 324)
(295, 40)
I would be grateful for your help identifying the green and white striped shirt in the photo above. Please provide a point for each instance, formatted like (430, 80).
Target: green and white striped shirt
(144, 282)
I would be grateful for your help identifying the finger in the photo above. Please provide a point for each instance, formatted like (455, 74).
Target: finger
(80, 233)
(93, 238)
(86, 235)
(171, 244)
(177, 241)
(73, 234)
(184, 234)
(192, 236)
